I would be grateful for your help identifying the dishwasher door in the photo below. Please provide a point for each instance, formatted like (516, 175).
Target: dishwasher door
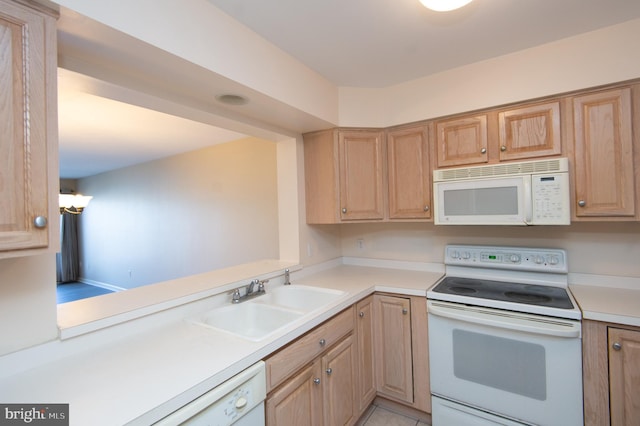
(238, 401)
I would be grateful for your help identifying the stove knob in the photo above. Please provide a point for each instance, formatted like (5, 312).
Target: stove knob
(554, 260)
(455, 255)
(466, 255)
(514, 258)
(538, 260)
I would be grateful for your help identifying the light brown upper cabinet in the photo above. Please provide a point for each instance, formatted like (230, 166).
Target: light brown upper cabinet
(28, 135)
(344, 177)
(604, 166)
(522, 132)
(461, 140)
(530, 131)
(409, 169)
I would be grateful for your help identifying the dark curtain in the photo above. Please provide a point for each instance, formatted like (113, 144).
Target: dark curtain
(68, 260)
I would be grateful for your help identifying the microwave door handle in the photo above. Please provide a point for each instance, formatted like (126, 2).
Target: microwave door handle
(507, 321)
(528, 201)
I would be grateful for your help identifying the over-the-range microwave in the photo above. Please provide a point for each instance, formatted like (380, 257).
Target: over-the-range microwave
(519, 193)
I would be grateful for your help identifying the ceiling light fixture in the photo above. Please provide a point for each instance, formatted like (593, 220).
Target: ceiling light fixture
(444, 5)
(231, 99)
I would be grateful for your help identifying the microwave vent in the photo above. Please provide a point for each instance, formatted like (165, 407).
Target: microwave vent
(505, 169)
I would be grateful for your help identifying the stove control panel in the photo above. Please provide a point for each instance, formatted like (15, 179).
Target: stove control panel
(515, 258)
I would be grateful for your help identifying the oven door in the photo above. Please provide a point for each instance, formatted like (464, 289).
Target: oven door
(521, 366)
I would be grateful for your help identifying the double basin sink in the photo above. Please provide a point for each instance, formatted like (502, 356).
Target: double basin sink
(265, 315)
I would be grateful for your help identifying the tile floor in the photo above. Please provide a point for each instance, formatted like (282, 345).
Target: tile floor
(378, 416)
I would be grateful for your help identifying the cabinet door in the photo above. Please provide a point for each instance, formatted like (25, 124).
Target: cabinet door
(624, 376)
(409, 174)
(338, 365)
(394, 371)
(461, 141)
(604, 169)
(298, 401)
(530, 132)
(361, 174)
(24, 107)
(366, 388)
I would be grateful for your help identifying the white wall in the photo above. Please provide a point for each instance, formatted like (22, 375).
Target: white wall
(26, 285)
(593, 248)
(27, 302)
(199, 32)
(183, 215)
(587, 60)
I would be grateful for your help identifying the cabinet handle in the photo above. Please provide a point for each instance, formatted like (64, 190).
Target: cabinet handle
(404, 311)
(582, 203)
(483, 151)
(40, 222)
(344, 210)
(503, 148)
(617, 346)
(316, 381)
(322, 342)
(361, 314)
(329, 371)
(426, 208)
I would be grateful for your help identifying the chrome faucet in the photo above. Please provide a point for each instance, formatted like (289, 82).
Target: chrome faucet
(251, 286)
(287, 280)
(250, 291)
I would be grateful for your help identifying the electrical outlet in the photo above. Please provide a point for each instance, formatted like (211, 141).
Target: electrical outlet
(360, 243)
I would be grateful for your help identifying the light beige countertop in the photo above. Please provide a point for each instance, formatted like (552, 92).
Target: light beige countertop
(137, 372)
(609, 304)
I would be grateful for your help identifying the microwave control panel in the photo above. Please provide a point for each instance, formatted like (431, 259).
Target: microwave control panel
(514, 258)
(550, 198)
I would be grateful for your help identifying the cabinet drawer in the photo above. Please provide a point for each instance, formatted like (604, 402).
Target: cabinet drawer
(288, 360)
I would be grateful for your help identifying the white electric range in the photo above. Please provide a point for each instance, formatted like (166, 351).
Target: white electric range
(504, 338)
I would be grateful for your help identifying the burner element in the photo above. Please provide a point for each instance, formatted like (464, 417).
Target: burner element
(531, 294)
(463, 290)
(527, 297)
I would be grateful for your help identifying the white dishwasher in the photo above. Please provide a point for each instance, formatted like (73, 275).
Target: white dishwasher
(238, 401)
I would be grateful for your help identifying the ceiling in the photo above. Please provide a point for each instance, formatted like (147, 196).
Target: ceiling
(379, 43)
(357, 43)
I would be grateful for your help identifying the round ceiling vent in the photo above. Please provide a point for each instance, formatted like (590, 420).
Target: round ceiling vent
(231, 99)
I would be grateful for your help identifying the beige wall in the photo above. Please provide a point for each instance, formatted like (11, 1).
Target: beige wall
(27, 302)
(183, 215)
(587, 60)
(26, 285)
(593, 248)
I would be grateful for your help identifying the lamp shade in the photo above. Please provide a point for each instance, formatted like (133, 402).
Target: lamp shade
(444, 5)
(77, 201)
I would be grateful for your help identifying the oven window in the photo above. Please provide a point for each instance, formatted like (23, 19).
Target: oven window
(510, 365)
(481, 201)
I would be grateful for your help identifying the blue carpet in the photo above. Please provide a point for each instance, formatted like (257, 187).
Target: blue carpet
(68, 292)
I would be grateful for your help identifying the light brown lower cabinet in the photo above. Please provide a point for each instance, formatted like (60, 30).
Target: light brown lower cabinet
(611, 374)
(366, 391)
(401, 350)
(298, 401)
(323, 392)
(331, 375)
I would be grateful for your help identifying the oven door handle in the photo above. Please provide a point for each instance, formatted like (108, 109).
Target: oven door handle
(506, 320)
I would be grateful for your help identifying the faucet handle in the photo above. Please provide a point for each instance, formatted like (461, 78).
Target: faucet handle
(261, 284)
(235, 298)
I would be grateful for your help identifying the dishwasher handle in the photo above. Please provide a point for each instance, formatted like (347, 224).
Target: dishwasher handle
(496, 318)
